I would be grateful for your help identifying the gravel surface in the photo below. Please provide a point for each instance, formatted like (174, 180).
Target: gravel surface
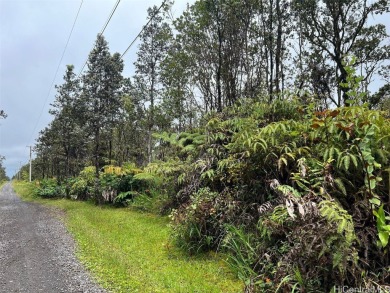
(36, 251)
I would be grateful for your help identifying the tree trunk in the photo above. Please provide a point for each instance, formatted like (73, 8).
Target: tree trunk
(97, 195)
(270, 48)
(219, 71)
(278, 54)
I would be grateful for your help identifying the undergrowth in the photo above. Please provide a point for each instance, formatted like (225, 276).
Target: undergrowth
(129, 251)
(297, 196)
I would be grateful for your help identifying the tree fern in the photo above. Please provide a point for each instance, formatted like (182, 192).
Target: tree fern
(144, 176)
(340, 185)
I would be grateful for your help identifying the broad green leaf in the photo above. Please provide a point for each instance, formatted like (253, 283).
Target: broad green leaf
(331, 152)
(354, 160)
(384, 238)
(340, 185)
(282, 161)
(375, 201)
(372, 183)
(346, 162)
(290, 155)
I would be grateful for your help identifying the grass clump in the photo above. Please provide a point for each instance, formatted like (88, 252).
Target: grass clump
(25, 189)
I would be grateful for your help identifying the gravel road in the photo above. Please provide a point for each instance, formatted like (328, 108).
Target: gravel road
(36, 251)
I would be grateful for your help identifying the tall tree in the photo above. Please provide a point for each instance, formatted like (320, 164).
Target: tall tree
(66, 112)
(179, 102)
(236, 48)
(49, 150)
(155, 40)
(272, 35)
(3, 115)
(129, 134)
(101, 97)
(381, 99)
(3, 175)
(213, 34)
(339, 29)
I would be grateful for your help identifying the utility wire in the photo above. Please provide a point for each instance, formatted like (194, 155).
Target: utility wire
(85, 63)
(58, 67)
(143, 28)
(103, 29)
(109, 18)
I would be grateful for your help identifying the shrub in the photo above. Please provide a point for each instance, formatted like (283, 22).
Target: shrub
(49, 188)
(79, 189)
(310, 206)
(192, 223)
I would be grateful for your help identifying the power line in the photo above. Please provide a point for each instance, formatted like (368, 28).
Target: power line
(143, 28)
(109, 18)
(103, 29)
(101, 32)
(58, 67)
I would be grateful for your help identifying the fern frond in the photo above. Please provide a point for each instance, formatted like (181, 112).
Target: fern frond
(270, 205)
(335, 214)
(347, 160)
(288, 190)
(340, 185)
(145, 176)
(354, 160)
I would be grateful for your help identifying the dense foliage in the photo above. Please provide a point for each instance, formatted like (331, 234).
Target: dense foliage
(284, 189)
(279, 186)
(293, 185)
(3, 175)
(215, 54)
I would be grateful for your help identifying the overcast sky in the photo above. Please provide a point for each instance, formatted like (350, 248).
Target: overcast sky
(33, 34)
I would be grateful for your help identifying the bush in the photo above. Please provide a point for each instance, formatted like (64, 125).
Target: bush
(196, 226)
(79, 189)
(298, 201)
(49, 188)
(150, 200)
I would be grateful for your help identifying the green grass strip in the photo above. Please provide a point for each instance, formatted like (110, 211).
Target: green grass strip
(2, 183)
(129, 251)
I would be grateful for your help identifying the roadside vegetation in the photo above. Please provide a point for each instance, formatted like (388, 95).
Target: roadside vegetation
(278, 187)
(130, 251)
(3, 176)
(250, 126)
